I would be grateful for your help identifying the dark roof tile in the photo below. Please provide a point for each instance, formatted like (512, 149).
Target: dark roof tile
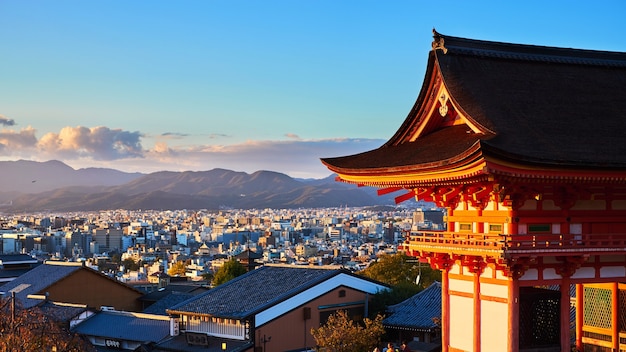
(255, 290)
(417, 312)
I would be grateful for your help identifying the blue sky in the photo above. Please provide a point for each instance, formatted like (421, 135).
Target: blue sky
(151, 85)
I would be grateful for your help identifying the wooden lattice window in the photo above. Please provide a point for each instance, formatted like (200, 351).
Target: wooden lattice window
(597, 307)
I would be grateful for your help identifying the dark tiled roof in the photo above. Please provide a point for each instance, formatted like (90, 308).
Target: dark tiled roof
(125, 326)
(9, 258)
(36, 281)
(255, 290)
(533, 104)
(417, 312)
(444, 144)
(13, 273)
(61, 312)
(169, 289)
(547, 105)
(167, 302)
(248, 254)
(179, 344)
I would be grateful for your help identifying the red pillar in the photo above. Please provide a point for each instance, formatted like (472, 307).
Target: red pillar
(445, 310)
(513, 340)
(579, 316)
(615, 315)
(477, 311)
(565, 315)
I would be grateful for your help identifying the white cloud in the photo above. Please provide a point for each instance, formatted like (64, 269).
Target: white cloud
(115, 148)
(12, 142)
(98, 143)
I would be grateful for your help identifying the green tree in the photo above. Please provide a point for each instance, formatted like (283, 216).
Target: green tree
(398, 293)
(130, 265)
(230, 270)
(394, 269)
(401, 272)
(342, 334)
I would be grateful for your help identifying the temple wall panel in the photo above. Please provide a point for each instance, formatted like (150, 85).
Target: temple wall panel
(530, 274)
(529, 204)
(493, 290)
(613, 271)
(500, 275)
(550, 260)
(456, 268)
(550, 274)
(549, 205)
(611, 258)
(494, 323)
(461, 318)
(589, 205)
(618, 204)
(462, 284)
(489, 272)
(584, 273)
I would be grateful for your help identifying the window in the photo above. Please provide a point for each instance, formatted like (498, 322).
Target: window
(465, 227)
(495, 228)
(539, 228)
(342, 293)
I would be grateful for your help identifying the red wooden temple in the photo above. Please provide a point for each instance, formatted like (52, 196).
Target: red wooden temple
(525, 148)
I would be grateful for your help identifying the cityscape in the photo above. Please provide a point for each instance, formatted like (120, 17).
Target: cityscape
(243, 176)
(170, 254)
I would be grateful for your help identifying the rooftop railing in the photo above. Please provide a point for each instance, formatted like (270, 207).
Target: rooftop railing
(536, 244)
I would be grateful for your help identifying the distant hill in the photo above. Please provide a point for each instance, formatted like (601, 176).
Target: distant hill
(33, 177)
(54, 186)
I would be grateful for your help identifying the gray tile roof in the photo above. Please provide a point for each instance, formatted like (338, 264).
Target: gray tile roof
(179, 344)
(36, 281)
(61, 312)
(125, 326)
(417, 312)
(255, 290)
(172, 299)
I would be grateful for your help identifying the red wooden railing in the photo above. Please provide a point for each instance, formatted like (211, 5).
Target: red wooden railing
(541, 243)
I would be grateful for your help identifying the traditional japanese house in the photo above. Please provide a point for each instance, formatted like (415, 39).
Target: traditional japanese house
(272, 308)
(524, 147)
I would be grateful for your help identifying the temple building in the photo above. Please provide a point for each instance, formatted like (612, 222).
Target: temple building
(525, 148)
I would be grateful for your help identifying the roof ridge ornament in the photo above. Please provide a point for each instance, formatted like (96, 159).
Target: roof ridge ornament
(438, 42)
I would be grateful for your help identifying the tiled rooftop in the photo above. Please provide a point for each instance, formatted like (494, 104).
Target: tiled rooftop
(417, 312)
(255, 290)
(126, 326)
(36, 280)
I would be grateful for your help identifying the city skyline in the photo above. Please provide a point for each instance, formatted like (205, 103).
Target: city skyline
(274, 85)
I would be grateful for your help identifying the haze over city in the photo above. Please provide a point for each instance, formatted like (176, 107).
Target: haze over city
(243, 85)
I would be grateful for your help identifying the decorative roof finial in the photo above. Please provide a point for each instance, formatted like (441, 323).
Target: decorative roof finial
(438, 42)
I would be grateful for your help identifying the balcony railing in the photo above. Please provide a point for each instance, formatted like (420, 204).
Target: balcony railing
(540, 244)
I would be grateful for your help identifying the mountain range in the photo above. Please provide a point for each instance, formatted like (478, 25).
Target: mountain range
(30, 186)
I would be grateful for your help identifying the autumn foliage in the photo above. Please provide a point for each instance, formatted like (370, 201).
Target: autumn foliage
(342, 334)
(27, 330)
